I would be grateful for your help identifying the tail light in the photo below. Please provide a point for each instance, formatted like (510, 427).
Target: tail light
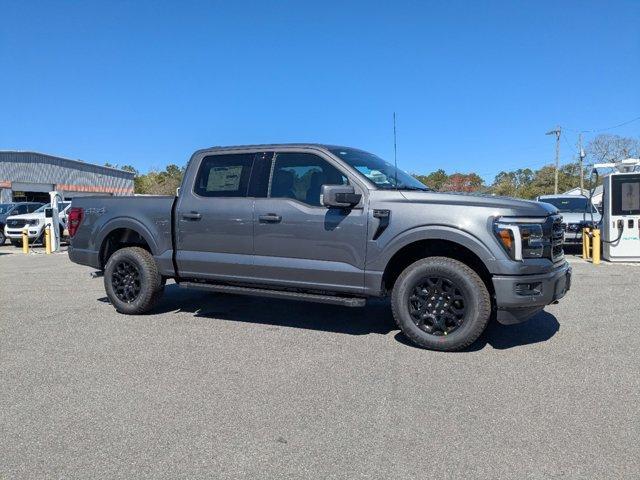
(74, 219)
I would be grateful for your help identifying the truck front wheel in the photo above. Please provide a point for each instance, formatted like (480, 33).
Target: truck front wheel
(441, 304)
(132, 280)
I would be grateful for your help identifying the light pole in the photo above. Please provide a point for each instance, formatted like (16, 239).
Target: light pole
(581, 154)
(557, 131)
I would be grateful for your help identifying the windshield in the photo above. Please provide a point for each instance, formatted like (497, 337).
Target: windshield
(5, 208)
(570, 205)
(381, 173)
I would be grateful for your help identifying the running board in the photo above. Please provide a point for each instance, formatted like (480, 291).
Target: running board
(283, 294)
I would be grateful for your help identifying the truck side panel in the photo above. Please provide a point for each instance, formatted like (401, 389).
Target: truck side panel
(149, 217)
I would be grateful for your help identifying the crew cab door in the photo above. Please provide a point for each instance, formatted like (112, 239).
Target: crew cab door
(214, 218)
(298, 241)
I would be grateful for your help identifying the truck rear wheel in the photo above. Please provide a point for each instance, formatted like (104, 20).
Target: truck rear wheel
(441, 304)
(132, 280)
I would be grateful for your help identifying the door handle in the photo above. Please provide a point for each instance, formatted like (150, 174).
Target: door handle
(192, 216)
(270, 218)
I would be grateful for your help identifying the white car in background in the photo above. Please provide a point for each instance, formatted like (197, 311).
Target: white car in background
(35, 224)
(577, 213)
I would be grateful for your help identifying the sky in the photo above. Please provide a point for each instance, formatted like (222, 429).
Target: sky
(474, 84)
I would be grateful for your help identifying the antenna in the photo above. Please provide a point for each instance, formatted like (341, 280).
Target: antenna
(395, 151)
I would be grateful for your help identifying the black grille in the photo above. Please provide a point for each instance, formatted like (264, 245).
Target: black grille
(553, 231)
(557, 238)
(16, 223)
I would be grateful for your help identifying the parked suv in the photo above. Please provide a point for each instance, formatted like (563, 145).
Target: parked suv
(577, 213)
(35, 224)
(17, 208)
(328, 224)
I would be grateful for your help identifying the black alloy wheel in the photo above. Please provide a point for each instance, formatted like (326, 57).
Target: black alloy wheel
(437, 306)
(125, 280)
(441, 303)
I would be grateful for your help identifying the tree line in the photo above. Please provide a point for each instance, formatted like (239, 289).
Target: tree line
(521, 183)
(529, 183)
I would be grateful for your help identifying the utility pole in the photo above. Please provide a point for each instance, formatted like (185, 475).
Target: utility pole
(581, 155)
(556, 132)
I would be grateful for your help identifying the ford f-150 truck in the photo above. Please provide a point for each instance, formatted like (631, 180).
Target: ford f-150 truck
(328, 224)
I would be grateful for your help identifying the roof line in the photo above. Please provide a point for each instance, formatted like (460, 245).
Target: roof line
(67, 159)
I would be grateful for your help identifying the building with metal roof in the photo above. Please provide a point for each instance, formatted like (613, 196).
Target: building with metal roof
(29, 176)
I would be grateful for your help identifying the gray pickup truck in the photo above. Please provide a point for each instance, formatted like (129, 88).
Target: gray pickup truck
(328, 224)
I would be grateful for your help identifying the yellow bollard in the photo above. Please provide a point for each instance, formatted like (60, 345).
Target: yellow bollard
(586, 247)
(596, 246)
(47, 239)
(25, 241)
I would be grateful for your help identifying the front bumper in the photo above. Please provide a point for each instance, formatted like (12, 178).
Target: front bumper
(16, 234)
(519, 297)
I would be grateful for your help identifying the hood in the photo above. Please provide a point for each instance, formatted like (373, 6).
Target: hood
(27, 216)
(513, 206)
(574, 217)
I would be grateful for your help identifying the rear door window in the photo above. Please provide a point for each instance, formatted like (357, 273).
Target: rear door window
(224, 175)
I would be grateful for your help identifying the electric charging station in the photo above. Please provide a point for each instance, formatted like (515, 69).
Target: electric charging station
(621, 212)
(52, 221)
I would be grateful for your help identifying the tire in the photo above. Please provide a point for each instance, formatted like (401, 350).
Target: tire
(3, 239)
(132, 281)
(463, 297)
(16, 243)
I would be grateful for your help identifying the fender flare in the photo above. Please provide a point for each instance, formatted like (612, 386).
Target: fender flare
(131, 224)
(437, 232)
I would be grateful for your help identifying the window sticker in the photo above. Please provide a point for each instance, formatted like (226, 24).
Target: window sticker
(224, 179)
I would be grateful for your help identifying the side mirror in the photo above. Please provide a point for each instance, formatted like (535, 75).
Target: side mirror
(48, 212)
(341, 196)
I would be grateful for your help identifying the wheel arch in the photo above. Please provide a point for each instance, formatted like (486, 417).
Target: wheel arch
(437, 241)
(121, 233)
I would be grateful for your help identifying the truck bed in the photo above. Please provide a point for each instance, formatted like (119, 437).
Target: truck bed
(149, 215)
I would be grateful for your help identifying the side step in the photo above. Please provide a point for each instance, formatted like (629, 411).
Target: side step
(263, 292)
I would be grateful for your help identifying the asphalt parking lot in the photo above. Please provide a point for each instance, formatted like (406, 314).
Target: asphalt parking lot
(215, 386)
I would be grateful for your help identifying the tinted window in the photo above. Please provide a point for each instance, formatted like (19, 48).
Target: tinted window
(259, 183)
(20, 209)
(300, 176)
(5, 208)
(33, 207)
(224, 175)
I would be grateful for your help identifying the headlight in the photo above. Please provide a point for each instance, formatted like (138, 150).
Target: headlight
(35, 221)
(520, 240)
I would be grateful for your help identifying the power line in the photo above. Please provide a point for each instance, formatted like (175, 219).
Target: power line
(596, 130)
